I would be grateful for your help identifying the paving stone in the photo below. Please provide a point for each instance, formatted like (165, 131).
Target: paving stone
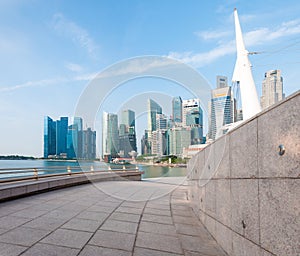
(208, 246)
(113, 240)
(129, 210)
(148, 252)
(69, 238)
(11, 249)
(159, 242)
(185, 220)
(2, 230)
(82, 224)
(45, 223)
(61, 214)
(50, 250)
(99, 216)
(138, 205)
(101, 208)
(23, 236)
(157, 212)
(97, 251)
(192, 230)
(158, 206)
(157, 228)
(10, 222)
(157, 219)
(125, 217)
(29, 213)
(183, 213)
(120, 226)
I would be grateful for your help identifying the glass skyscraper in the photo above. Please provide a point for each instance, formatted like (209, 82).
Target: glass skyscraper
(177, 109)
(49, 137)
(153, 109)
(221, 108)
(110, 135)
(61, 136)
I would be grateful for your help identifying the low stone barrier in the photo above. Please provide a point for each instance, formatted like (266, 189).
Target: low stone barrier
(23, 188)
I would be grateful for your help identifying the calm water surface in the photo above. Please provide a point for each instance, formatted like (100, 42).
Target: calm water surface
(61, 166)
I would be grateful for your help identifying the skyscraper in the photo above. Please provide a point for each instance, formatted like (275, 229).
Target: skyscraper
(178, 137)
(153, 109)
(193, 117)
(222, 81)
(110, 134)
(89, 144)
(128, 118)
(272, 88)
(61, 136)
(221, 110)
(49, 137)
(177, 109)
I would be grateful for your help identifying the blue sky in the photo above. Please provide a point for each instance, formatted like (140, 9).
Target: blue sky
(49, 51)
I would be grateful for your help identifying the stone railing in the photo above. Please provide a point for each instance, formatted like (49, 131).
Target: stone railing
(245, 186)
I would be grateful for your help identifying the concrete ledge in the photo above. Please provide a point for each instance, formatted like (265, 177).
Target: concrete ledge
(24, 188)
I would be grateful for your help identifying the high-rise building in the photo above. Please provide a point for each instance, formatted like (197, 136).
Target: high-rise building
(72, 141)
(177, 109)
(145, 144)
(110, 135)
(49, 137)
(153, 109)
(222, 82)
(159, 142)
(89, 144)
(128, 118)
(161, 121)
(272, 88)
(127, 134)
(178, 138)
(193, 117)
(221, 110)
(61, 136)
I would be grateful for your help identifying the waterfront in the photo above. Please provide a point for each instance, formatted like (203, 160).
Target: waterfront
(61, 166)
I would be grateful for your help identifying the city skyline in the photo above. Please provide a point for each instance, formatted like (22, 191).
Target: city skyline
(50, 51)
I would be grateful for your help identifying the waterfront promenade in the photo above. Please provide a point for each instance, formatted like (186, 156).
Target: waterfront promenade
(150, 217)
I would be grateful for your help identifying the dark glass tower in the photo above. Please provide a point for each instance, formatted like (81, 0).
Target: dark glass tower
(61, 135)
(49, 137)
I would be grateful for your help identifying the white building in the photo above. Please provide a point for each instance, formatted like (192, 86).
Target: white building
(272, 88)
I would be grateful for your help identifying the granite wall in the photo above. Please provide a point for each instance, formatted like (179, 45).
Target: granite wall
(245, 192)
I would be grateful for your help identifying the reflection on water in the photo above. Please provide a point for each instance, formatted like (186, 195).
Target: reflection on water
(52, 166)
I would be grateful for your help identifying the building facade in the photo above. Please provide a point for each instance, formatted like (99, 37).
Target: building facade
(221, 110)
(110, 135)
(177, 110)
(272, 88)
(153, 109)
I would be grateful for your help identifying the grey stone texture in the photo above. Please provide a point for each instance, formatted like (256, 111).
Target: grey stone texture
(86, 221)
(251, 203)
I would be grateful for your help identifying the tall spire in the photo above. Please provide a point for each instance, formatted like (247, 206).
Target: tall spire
(243, 75)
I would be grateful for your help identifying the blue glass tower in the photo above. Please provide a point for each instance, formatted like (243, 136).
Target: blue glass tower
(61, 135)
(49, 137)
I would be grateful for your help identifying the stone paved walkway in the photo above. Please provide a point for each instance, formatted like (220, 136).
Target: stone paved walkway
(119, 218)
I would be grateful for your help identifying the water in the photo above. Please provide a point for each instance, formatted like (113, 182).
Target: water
(52, 166)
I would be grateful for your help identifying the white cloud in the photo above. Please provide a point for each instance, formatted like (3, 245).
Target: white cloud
(74, 67)
(44, 82)
(78, 34)
(251, 38)
(209, 35)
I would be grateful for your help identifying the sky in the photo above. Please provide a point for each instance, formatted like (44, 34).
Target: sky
(51, 50)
